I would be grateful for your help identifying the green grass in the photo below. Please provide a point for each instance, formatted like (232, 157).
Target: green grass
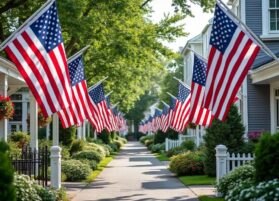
(100, 168)
(206, 198)
(161, 157)
(197, 180)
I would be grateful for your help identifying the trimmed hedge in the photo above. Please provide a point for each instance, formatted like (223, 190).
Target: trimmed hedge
(75, 170)
(89, 155)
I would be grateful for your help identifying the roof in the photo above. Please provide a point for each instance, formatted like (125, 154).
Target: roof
(195, 40)
(262, 60)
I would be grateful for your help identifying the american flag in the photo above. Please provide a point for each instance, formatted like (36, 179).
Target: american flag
(232, 51)
(165, 117)
(81, 107)
(182, 108)
(171, 111)
(112, 125)
(39, 55)
(158, 119)
(199, 115)
(99, 102)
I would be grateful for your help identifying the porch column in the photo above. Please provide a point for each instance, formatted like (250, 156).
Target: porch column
(79, 132)
(33, 122)
(84, 130)
(88, 129)
(3, 92)
(24, 112)
(55, 155)
(47, 132)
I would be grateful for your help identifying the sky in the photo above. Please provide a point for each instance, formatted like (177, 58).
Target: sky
(192, 25)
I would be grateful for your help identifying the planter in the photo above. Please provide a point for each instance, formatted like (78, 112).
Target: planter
(6, 108)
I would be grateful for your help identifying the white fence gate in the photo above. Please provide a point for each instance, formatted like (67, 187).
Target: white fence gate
(226, 162)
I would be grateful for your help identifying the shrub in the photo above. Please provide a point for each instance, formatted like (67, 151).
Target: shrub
(175, 151)
(92, 163)
(189, 145)
(159, 137)
(65, 153)
(105, 137)
(230, 133)
(267, 157)
(172, 134)
(76, 146)
(114, 147)
(189, 163)
(7, 189)
(118, 143)
(14, 149)
(123, 140)
(156, 148)
(144, 138)
(267, 191)
(89, 155)
(75, 170)
(98, 148)
(108, 148)
(67, 136)
(43, 143)
(25, 189)
(148, 142)
(229, 181)
(45, 194)
(21, 138)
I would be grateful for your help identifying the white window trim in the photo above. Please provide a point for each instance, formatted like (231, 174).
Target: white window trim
(273, 120)
(266, 33)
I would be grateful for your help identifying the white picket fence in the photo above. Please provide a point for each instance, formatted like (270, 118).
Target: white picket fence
(226, 162)
(176, 143)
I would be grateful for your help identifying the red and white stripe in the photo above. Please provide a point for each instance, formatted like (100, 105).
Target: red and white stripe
(46, 73)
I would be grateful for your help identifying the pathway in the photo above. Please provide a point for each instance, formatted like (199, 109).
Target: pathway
(135, 174)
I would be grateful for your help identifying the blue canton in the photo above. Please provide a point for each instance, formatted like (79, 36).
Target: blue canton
(76, 71)
(223, 29)
(150, 118)
(108, 101)
(97, 94)
(157, 113)
(172, 103)
(183, 93)
(165, 110)
(47, 28)
(199, 72)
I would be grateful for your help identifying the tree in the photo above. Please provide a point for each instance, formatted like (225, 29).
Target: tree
(7, 189)
(229, 133)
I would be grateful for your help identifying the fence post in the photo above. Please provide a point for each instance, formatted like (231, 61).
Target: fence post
(221, 161)
(167, 144)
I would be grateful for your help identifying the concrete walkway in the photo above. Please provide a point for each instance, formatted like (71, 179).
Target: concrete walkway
(135, 174)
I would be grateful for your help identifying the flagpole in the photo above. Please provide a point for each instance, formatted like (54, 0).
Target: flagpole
(165, 103)
(201, 57)
(186, 85)
(17, 31)
(171, 95)
(108, 93)
(98, 83)
(263, 46)
(115, 105)
(78, 53)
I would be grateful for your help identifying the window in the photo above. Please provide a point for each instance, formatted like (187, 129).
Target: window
(274, 15)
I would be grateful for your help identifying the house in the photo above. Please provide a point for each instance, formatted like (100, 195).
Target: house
(259, 95)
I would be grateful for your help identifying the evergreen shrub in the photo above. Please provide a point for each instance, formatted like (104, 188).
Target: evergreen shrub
(21, 138)
(76, 146)
(67, 135)
(75, 170)
(159, 137)
(89, 155)
(189, 145)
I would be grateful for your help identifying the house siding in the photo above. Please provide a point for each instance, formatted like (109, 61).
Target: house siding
(258, 107)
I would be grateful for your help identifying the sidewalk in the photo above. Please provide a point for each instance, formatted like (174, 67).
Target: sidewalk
(135, 174)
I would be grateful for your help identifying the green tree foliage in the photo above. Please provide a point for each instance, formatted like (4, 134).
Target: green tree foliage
(267, 157)
(7, 189)
(229, 133)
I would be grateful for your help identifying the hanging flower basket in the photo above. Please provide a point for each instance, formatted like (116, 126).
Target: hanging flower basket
(42, 120)
(6, 108)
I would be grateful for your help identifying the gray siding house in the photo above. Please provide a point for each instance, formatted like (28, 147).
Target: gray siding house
(259, 94)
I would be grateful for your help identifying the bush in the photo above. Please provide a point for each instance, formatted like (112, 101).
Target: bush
(110, 150)
(175, 151)
(157, 148)
(148, 142)
(21, 138)
(68, 135)
(189, 163)
(172, 134)
(76, 146)
(45, 194)
(267, 191)
(92, 163)
(144, 138)
(104, 151)
(114, 147)
(239, 174)
(159, 137)
(7, 189)
(105, 137)
(123, 140)
(89, 155)
(230, 133)
(118, 143)
(25, 188)
(65, 153)
(75, 170)
(267, 157)
(189, 145)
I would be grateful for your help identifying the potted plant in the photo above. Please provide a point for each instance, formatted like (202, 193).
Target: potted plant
(6, 108)
(42, 120)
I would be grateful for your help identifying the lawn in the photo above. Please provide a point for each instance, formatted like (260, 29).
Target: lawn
(162, 157)
(197, 180)
(100, 168)
(206, 198)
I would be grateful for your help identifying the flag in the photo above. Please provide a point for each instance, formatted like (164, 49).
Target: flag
(171, 111)
(158, 119)
(98, 96)
(232, 51)
(81, 107)
(182, 108)
(165, 117)
(38, 53)
(199, 115)
(111, 125)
